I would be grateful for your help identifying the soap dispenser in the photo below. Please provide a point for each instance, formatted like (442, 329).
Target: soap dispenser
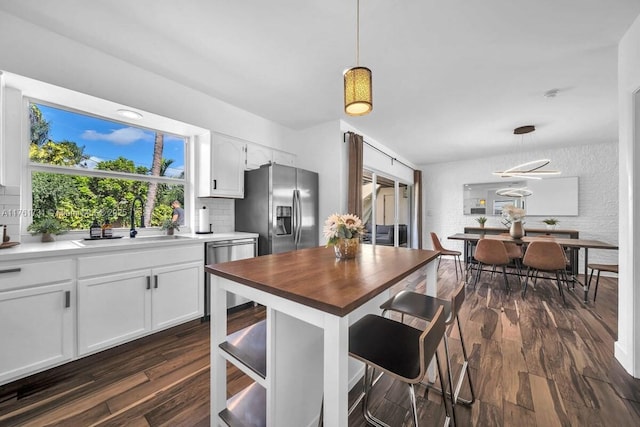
(95, 231)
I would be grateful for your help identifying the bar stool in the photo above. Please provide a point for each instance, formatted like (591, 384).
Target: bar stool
(491, 252)
(544, 256)
(610, 268)
(446, 252)
(424, 307)
(399, 350)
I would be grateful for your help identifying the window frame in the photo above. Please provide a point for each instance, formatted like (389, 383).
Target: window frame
(30, 166)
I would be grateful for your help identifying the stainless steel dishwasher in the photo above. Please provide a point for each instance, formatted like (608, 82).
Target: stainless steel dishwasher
(223, 251)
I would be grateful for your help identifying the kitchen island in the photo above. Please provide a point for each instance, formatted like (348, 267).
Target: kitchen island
(299, 355)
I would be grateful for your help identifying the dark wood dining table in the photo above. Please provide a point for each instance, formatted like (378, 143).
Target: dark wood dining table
(573, 244)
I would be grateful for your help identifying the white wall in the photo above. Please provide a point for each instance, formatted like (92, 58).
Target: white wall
(322, 150)
(595, 165)
(37, 53)
(34, 52)
(627, 348)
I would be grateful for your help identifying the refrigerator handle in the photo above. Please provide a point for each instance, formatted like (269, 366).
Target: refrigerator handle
(297, 215)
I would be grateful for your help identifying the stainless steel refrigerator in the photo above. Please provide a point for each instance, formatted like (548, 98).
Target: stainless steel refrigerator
(281, 205)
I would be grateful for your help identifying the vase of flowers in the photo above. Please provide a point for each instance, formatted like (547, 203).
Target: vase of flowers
(343, 232)
(514, 216)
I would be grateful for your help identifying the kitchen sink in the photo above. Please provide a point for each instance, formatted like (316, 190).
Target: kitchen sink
(127, 240)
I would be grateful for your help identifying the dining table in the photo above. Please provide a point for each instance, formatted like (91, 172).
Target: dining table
(572, 244)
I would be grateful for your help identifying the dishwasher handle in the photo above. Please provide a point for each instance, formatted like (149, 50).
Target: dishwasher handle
(225, 243)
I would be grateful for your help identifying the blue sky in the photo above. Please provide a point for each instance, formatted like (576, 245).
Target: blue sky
(107, 140)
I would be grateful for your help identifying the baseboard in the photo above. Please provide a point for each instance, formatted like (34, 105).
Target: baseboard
(624, 358)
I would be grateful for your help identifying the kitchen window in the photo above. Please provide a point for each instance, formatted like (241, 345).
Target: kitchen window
(84, 168)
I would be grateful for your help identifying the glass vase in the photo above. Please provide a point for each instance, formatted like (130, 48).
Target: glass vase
(346, 248)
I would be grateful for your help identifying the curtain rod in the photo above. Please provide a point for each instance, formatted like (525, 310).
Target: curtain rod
(393, 159)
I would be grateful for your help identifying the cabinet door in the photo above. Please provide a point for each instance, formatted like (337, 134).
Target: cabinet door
(258, 155)
(113, 309)
(36, 329)
(282, 158)
(177, 294)
(227, 175)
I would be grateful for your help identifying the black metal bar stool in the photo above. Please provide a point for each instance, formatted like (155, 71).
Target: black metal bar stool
(424, 307)
(398, 350)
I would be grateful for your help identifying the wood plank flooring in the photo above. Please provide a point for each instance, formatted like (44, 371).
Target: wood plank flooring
(535, 362)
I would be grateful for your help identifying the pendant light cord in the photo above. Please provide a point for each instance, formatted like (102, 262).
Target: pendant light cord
(357, 33)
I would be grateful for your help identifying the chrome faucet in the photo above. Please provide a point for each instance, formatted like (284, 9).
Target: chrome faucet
(133, 231)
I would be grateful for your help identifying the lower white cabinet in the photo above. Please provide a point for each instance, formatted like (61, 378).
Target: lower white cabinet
(36, 329)
(177, 294)
(117, 308)
(113, 309)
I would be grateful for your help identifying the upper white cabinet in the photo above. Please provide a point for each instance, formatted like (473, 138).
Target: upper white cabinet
(222, 160)
(258, 155)
(284, 158)
(221, 166)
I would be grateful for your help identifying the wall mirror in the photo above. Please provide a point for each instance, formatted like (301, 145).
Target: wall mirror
(549, 197)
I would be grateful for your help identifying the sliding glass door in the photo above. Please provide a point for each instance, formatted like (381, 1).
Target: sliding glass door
(386, 202)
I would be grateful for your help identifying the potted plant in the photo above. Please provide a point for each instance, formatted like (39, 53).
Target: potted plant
(170, 226)
(551, 223)
(48, 227)
(481, 220)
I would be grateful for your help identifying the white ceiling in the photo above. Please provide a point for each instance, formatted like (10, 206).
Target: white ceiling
(451, 79)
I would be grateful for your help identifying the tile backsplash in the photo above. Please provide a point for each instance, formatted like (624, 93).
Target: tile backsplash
(221, 213)
(10, 210)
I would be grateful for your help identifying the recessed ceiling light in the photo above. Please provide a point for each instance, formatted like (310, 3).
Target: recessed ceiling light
(130, 114)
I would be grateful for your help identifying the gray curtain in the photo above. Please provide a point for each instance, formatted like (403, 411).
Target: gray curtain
(354, 191)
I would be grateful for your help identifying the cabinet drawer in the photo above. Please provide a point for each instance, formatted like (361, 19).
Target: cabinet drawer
(14, 275)
(135, 260)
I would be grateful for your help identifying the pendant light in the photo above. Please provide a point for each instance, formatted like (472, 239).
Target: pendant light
(358, 99)
(529, 170)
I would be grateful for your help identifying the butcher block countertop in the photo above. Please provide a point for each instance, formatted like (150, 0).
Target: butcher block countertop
(314, 277)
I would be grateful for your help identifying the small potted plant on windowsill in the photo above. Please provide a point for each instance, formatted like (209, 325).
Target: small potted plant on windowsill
(48, 227)
(170, 226)
(551, 223)
(481, 220)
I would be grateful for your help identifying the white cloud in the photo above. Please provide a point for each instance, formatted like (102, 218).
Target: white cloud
(122, 136)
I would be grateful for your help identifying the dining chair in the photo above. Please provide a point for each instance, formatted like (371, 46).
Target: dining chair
(401, 351)
(491, 252)
(437, 246)
(424, 307)
(545, 256)
(514, 252)
(610, 268)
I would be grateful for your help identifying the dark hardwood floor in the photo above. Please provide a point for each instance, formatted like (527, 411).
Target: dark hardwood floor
(535, 362)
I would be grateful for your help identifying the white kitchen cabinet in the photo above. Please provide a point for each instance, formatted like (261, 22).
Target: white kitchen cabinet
(284, 158)
(113, 309)
(153, 290)
(177, 294)
(221, 167)
(36, 317)
(258, 155)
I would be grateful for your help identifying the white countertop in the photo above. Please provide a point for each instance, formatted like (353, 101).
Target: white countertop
(79, 246)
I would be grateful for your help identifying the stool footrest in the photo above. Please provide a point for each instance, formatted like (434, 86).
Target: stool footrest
(456, 392)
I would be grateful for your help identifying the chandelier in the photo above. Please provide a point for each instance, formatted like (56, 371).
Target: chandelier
(529, 170)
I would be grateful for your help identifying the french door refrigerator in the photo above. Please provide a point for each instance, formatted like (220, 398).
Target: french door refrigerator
(281, 205)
